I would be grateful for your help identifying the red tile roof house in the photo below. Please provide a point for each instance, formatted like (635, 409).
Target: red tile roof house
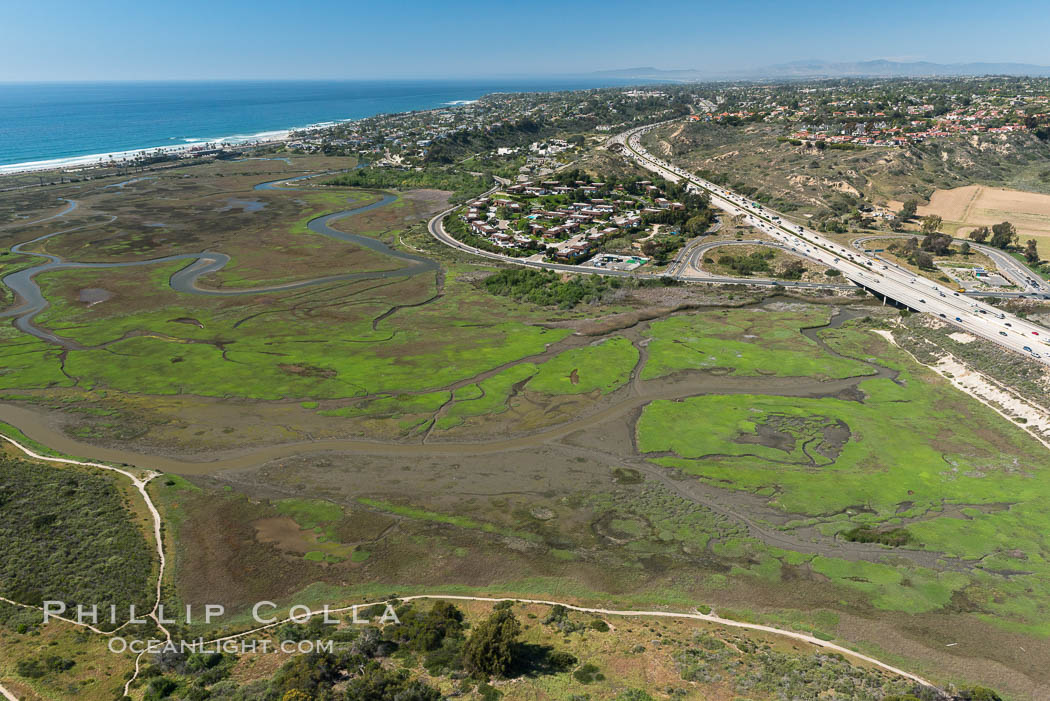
(572, 252)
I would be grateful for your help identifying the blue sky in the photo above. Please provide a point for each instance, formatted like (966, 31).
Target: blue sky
(192, 39)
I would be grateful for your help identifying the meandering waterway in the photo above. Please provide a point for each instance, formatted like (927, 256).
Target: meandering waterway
(31, 301)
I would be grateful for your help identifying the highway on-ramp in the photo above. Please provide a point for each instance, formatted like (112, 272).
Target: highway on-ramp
(1011, 269)
(892, 282)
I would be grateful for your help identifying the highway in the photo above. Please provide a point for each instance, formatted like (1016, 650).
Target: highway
(893, 282)
(1010, 268)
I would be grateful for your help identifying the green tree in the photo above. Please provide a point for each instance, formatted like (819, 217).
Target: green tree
(979, 693)
(930, 224)
(424, 632)
(923, 260)
(793, 270)
(490, 650)
(1004, 235)
(908, 209)
(964, 249)
(375, 683)
(937, 244)
(697, 225)
(634, 695)
(980, 234)
(307, 673)
(1031, 253)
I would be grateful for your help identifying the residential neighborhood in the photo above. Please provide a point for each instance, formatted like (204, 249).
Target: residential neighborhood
(567, 219)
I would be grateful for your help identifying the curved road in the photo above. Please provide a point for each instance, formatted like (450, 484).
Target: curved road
(913, 291)
(693, 260)
(437, 230)
(1010, 267)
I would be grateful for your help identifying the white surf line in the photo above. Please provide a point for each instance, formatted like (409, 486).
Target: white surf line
(140, 485)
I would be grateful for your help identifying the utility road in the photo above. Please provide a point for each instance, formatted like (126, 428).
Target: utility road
(886, 279)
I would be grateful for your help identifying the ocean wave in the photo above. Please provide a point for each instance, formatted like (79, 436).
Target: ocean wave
(96, 158)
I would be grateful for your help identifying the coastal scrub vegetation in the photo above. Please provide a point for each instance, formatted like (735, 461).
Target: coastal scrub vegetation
(67, 536)
(441, 651)
(548, 289)
(462, 184)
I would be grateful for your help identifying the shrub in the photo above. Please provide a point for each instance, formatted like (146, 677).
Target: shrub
(894, 537)
(588, 673)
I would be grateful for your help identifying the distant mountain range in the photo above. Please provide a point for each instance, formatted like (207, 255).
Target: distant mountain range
(827, 69)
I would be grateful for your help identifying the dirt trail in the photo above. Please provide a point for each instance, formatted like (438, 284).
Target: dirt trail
(697, 616)
(140, 484)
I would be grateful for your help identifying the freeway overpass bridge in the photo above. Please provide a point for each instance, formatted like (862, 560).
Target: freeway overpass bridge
(882, 278)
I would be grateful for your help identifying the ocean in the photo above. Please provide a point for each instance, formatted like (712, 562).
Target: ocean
(64, 123)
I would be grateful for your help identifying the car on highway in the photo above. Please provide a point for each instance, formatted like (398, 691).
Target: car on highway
(1002, 333)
